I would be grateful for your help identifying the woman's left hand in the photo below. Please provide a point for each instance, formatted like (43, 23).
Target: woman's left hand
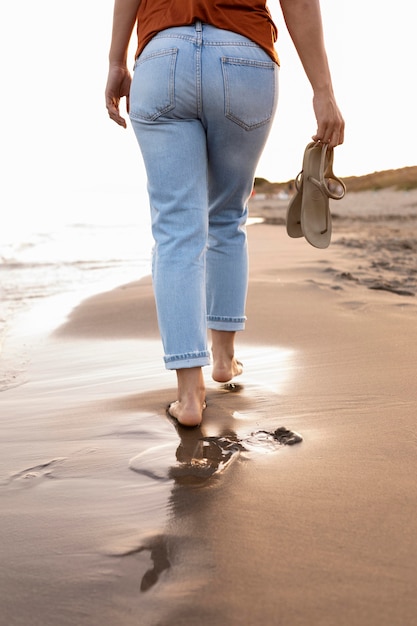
(118, 86)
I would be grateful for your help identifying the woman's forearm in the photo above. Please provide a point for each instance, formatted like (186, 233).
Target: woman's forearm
(304, 24)
(303, 20)
(124, 18)
(119, 79)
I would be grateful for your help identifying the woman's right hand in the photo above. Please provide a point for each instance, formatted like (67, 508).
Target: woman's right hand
(330, 123)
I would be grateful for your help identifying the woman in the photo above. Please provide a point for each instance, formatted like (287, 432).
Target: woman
(201, 102)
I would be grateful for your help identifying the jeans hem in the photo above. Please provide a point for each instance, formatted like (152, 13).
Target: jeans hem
(182, 361)
(219, 323)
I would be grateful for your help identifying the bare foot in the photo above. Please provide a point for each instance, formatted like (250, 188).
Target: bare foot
(188, 409)
(186, 414)
(225, 366)
(225, 370)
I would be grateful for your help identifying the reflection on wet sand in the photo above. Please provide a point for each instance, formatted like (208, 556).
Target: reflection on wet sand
(197, 464)
(200, 456)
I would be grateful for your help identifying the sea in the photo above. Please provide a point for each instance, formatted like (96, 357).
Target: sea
(52, 260)
(54, 264)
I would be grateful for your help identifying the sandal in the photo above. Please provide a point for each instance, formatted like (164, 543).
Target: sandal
(308, 213)
(293, 220)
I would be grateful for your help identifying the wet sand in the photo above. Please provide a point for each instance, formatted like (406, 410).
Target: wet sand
(110, 515)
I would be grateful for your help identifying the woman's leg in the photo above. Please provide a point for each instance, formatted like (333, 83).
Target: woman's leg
(240, 90)
(163, 112)
(164, 115)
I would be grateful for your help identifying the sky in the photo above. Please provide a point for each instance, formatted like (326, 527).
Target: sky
(61, 154)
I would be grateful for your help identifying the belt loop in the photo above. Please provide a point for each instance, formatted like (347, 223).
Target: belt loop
(199, 32)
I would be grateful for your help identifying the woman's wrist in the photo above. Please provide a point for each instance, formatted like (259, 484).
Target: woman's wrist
(118, 64)
(323, 90)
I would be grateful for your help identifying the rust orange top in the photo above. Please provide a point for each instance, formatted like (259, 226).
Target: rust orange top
(249, 18)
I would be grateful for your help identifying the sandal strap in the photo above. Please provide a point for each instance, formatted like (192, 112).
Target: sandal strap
(326, 171)
(299, 181)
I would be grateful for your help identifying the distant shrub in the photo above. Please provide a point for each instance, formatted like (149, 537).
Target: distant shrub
(403, 179)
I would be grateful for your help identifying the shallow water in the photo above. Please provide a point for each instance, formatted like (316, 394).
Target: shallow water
(93, 473)
(72, 261)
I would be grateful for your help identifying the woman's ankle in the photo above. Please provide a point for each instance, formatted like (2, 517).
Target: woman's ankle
(225, 365)
(188, 408)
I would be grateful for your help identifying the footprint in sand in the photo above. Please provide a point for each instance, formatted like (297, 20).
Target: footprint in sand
(30, 476)
(199, 458)
(273, 440)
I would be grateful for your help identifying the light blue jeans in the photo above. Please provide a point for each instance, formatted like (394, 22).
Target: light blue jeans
(202, 103)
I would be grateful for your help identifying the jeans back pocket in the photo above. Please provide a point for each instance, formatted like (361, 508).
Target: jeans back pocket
(152, 92)
(250, 91)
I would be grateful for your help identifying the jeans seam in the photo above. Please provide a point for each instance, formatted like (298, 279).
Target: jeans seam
(198, 45)
(193, 39)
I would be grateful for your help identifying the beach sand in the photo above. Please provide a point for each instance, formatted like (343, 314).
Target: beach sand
(111, 516)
